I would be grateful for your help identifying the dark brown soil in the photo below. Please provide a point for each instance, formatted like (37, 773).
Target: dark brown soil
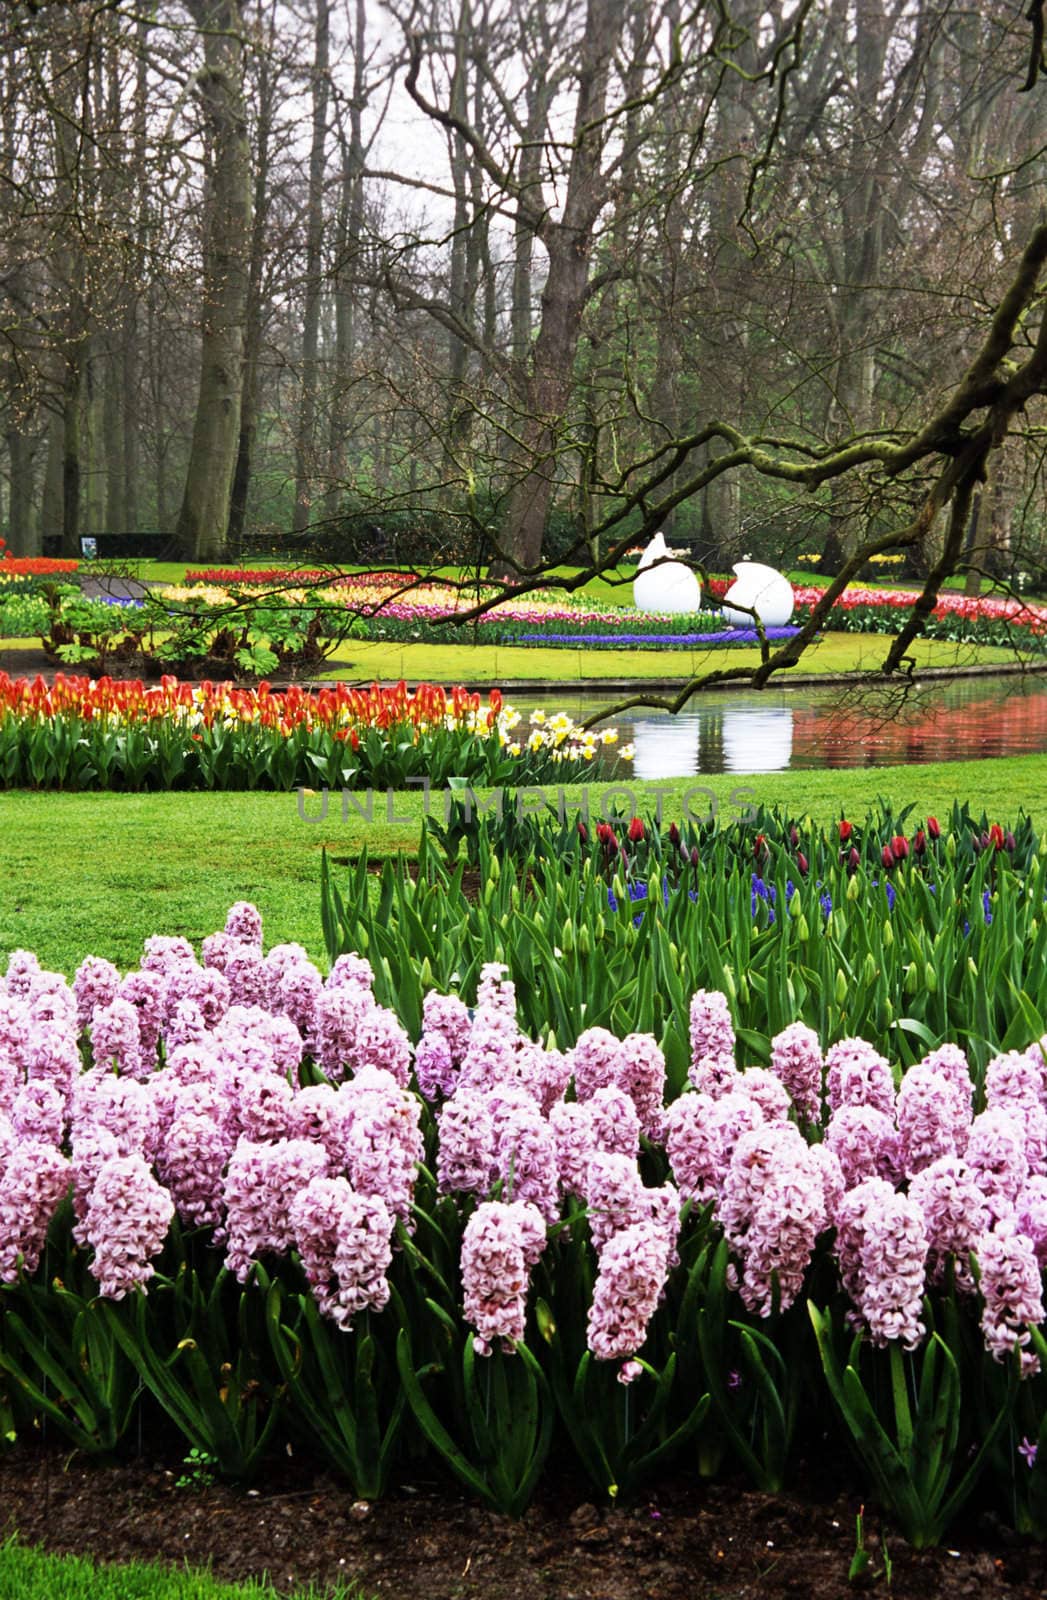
(686, 1541)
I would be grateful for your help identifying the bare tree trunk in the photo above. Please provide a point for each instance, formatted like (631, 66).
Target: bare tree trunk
(665, 388)
(72, 395)
(51, 499)
(20, 452)
(94, 463)
(130, 332)
(544, 389)
(70, 69)
(253, 320)
(462, 298)
(204, 516)
(305, 449)
(114, 439)
(346, 268)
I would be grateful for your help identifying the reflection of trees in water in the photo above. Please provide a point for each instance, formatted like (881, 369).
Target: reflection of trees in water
(907, 723)
(867, 726)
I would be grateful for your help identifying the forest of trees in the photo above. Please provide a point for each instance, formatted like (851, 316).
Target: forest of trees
(522, 276)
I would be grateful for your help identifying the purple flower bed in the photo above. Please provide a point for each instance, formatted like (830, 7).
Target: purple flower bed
(726, 636)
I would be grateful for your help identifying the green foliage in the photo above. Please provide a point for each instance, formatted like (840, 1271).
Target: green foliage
(200, 1345)
(36, 1575)
(587, 944)
(501, 1443)
(22, 615)
(340, 1389)
(905, 1422)
(754, 1378)
(198, 1472)
(66, 1366)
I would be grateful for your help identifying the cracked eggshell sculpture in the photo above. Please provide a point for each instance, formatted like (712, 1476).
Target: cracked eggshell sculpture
(669, 586)
(766, 591)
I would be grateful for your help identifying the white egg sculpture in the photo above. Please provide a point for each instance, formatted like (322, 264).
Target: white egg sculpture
(764, 590)
(662, 584)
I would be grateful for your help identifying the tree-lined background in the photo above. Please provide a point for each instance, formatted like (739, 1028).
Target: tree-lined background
(483, 275)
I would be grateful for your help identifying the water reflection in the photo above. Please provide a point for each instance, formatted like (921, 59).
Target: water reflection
(666, 747)
(716, 738)
(818, 728)
(757, 741)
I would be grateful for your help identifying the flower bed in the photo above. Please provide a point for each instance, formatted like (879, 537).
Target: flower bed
(397, 607)
(244, 577)
(78, 733)
(12, 567)
(250, 1190)
(883, 933)
(725, 638)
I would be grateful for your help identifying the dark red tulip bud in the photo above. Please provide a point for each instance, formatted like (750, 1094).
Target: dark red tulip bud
(919, 843)
(801, 862)
(996, 836)
(934, 827)
(583, 832)
(760, 850)
(674, 835)
(794, 836)
(636, 830)
(887, 857)
(1009, 841)
(854, 860)
(899, 847)
(695, 857)
(985, 841)
(846, 829)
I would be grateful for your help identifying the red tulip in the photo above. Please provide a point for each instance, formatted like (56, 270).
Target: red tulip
(695, 857)
(583, 832)
(996, 836)
(794, 836)
(854, 860)
(899, 847)
(636, 830)
(846, 829)
(919, 842)
(887, 857)
(674, 834)
(801, 862)
(934, 827)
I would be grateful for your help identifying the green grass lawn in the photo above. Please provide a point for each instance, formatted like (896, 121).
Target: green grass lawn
(477, 664)
(367, 660)
(27, 1574)
(96, 874)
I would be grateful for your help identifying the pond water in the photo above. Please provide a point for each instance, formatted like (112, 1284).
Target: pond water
(901, 725)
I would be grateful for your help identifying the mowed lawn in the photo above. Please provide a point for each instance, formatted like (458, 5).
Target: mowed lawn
(96, 874)
(482, 664)
(28, 1574)
(381, 660)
